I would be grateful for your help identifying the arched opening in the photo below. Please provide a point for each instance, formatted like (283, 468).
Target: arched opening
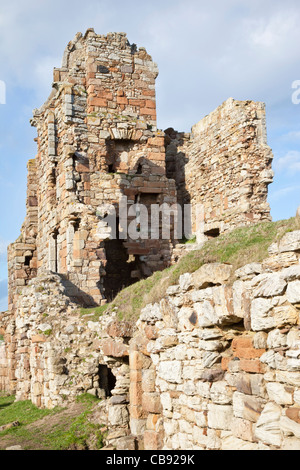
(107, 380)
(213, 233)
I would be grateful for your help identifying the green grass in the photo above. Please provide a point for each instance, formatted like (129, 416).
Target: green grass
(64, 434)
(23, 411)
(80, 431)
(239, 247)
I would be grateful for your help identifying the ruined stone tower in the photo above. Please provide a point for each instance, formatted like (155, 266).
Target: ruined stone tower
(97, 141)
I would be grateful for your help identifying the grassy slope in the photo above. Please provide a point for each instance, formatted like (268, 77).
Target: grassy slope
(239, 247)
(57, 429)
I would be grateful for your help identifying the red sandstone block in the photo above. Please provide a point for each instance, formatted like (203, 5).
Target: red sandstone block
(156, 141)
(136, 393)
(106, 94)
(252, 366)
(151, 332)
(135, 375)
(136, 360)
(248, 353)
(134, 102)
(113, 348)
(97, 102)
(82, 168)
(149, 92)
(122, 100)
(137, 412)
(150, 104)
(33, 263)
(20, 274)
(151, 403)
(38, 339)
(157, 156)
(241, 342)
(148, 112)
(243, 348)
(152, 440)
(225, 362)
(294, 414)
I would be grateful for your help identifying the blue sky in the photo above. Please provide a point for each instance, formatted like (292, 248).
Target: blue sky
(206, 53)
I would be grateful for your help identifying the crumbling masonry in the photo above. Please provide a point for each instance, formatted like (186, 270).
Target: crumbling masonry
(98, 142)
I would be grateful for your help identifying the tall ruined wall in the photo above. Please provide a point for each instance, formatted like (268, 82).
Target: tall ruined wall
(22, 255)
(224, 166)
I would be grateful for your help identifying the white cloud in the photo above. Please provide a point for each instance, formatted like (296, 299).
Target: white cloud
(292, 135)
(283, 192)
(271, 32)
(290, 162)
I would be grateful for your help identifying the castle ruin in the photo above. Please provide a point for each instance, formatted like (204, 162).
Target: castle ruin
(98, 141)
(180, 376)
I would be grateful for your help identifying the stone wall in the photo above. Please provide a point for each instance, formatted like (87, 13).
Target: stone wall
(224, 165)
(218, 366)
(214, 365)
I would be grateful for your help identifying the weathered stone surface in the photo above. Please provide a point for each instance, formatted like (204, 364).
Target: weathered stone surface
(293, 292)
(268, 428)
(114, 348)
(279, 393)
(211, 274)
(247, 407)
(118, 415)
(120, 329)
(293, 414)
(151, 313)
(242, 429)
(289, 427)
(198, 377)
(271, 286)
(171, 371)
(249, 271)
(261, 318)
(290, 241)
(220, 417)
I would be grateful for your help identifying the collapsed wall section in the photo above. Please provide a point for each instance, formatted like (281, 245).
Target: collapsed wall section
(223, 168)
